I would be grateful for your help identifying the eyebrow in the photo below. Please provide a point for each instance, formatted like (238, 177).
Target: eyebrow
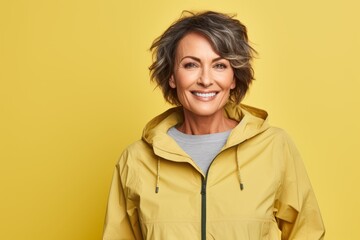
(198, 59)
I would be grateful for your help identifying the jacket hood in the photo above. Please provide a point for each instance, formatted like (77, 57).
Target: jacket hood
(252, 121)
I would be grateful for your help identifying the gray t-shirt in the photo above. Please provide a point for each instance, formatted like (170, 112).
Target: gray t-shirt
(201, 148)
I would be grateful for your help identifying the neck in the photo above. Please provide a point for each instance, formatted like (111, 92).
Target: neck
(198, 125)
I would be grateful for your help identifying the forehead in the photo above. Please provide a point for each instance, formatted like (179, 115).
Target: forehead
(195, 44)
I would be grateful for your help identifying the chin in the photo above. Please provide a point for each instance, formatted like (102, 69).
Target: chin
(204, 112)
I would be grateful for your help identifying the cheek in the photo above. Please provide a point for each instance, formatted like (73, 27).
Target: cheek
(227, 81)
(185, 79)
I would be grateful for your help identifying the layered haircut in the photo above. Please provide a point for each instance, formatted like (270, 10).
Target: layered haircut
(228, 37)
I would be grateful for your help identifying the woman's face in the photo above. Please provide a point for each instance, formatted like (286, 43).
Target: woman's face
(202, 78)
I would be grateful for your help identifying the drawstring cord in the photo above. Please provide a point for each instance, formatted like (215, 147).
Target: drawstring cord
(238, 169)
(157, 176)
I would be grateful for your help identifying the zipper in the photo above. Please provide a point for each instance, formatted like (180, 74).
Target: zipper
(203, 200)
(203, 207)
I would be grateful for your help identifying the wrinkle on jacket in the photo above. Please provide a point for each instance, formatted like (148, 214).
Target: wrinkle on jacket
(257, 186)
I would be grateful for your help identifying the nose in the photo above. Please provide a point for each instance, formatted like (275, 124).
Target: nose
(205, 79)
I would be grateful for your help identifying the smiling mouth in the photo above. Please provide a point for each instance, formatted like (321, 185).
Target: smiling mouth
(204, 95)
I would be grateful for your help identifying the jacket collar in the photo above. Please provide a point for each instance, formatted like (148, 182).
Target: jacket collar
(252, 121)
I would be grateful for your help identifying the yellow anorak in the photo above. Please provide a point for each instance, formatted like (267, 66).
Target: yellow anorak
(256, 188)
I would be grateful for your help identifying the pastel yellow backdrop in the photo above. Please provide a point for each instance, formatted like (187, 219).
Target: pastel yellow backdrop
(75, 91)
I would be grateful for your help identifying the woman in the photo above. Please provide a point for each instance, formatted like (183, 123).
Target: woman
(210, 168)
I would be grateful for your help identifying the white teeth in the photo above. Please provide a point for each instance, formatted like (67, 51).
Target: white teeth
(205, 95)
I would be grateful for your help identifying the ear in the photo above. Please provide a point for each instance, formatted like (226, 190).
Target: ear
(172, 82)
(233, 84)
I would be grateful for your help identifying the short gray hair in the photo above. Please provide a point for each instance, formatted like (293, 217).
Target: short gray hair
(228, 37)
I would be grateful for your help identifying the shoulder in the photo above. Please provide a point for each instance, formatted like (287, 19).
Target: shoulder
(281, 141)
(135, 152)
(277, 134)
(284, 149)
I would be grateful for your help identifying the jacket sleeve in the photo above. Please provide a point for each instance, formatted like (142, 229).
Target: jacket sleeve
(296, 208)
(121, 222)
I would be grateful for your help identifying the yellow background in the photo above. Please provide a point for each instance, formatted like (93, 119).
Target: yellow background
(75, 91)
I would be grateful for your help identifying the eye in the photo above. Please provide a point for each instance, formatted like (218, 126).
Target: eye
(220, 66)
(190, 65)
